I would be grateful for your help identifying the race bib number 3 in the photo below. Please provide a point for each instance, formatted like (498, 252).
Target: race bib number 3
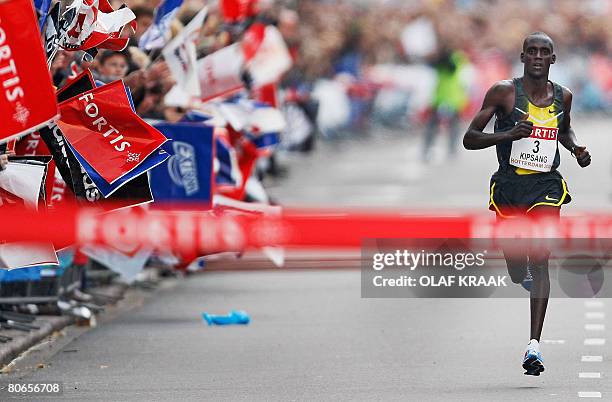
(536, 152)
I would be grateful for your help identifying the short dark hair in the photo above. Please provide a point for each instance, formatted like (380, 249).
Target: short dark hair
(539, 35)
(102, 58)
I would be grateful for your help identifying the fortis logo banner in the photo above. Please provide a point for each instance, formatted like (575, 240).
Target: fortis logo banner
(102, 127)
(27, 97)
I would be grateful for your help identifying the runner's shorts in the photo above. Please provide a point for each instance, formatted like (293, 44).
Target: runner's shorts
(513, 194)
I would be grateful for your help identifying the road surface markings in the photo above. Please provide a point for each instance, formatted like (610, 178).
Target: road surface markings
(592, 359)
(595, 315)
(589, 394)
(590, 327)
(594, 327)
(594, 341)
(553, 341)
(589, 375)
(594, 304)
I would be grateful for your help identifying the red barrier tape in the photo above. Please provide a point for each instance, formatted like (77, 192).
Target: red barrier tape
(203, 232)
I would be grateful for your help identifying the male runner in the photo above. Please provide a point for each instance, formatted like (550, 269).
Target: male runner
(532, 117)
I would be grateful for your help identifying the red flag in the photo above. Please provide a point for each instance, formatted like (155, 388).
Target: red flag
(238, 10)
(102, 127)
(27, 96)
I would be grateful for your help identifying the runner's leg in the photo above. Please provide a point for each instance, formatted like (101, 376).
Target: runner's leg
(515, 254)
(540, 290)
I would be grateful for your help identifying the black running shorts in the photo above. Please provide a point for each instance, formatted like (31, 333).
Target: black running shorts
(512, 194)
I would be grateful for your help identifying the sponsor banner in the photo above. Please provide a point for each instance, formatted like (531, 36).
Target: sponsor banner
(96, 24)
(156, 158)
(27, 98)
(220, 73)
(195, 230)
(56, 187)
(157, 35)
(136, 192)
(74, 176)
(102, 127)
(187, 175)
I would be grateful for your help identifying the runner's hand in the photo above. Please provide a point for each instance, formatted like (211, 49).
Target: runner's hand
(522, 129)
(582, 156)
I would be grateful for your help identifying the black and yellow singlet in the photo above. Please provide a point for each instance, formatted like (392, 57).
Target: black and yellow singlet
(517, 190)
(549, 116)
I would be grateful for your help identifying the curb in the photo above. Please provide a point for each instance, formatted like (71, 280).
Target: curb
(48, 325)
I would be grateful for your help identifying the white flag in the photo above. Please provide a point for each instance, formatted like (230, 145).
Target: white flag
(180, 55)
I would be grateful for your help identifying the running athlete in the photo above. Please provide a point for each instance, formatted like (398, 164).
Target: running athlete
(532, 115)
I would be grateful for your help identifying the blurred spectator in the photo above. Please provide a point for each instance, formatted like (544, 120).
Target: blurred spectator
(450, 98)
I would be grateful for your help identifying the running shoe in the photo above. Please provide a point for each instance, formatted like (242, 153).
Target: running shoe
(528, 281)
(533, 363)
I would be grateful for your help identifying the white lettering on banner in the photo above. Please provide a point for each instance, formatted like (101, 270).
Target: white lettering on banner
(183, 168)
(59, 188)
(32, 144)
(536, 152)
(9, 77)
(92, 110)
(59, 138)
(205, 233)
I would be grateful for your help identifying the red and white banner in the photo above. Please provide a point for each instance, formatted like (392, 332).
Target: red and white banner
(219, 73)
(96, 24)
(266, 53)
(201, 232)
(27, 96)
(102, 127)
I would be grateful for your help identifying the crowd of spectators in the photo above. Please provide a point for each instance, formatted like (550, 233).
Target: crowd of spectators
(488, 32)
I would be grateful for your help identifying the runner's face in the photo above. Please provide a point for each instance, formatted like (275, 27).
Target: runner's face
(538, 56)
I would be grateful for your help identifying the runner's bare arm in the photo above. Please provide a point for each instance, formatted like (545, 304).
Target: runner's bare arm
(567, 137)
(496, 101)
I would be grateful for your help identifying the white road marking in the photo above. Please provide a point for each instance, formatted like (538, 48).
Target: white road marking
(594, 304)
(594, 327)
(592, 359)
(595, 341)
(553, 341)
(595, 315)
(589, 375)
(589, 394)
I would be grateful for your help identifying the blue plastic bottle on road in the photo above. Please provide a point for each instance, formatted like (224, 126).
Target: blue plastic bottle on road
(234, 317)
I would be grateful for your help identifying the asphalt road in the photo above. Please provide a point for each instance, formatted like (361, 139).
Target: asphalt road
(312, 337)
